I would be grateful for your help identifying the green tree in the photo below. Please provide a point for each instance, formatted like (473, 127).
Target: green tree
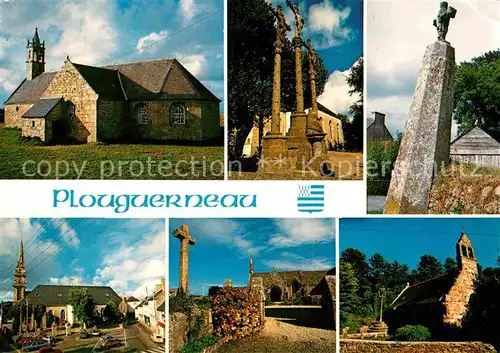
(112, 311)
(450, 264)
(354, 130)
(83, 305)
(428, 268)
(349, 300)
(476, 94)
(250, 56)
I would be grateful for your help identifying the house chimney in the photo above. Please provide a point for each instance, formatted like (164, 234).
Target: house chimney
(379, 118)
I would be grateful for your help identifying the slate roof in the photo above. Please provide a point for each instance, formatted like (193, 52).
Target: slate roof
(132, 299)
(53, 295)
(142, 80)
(431, 291)
(30, 91)
(476, 141)
(304, 277)
(369, 121)
(324, 109)
(105, 82)
(41, 108)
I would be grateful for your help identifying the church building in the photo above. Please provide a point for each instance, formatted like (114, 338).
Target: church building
(441, 303)
(152, 100)
(54, 299)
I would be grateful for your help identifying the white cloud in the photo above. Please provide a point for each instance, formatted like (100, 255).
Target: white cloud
(295, 232)
(133, 268)
(294, 262)
(328, 24)
(146, 41)
(396, 43)
(67, 280)
(224, 231)
(196, 64)
(336, 93)
(187, 9)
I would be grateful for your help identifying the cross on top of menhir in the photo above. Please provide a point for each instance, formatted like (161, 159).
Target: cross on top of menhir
(183, 234)
(442, 21)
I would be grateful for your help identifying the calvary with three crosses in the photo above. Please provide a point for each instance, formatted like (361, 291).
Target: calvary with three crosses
(186, 240)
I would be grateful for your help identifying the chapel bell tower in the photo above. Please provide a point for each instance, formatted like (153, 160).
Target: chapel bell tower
(19, 277)
(35, 64)
(466, 257)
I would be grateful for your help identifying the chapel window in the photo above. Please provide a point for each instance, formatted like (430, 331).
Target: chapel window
(471, 253)
(178, 114)
(464, 251)
(142, 114)
(71, 113)
(17, 108)
(33, 123)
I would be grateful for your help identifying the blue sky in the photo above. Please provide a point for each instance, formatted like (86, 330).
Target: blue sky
(223, 248)
(102, 32)
(126, 254)
(336, 31)
(398, 32)
(406, 239)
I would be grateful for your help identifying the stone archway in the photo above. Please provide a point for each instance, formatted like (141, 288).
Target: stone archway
(276, 294)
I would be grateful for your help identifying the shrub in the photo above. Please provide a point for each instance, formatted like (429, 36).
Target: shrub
(199, 345)
(203, 303)
(412, 333)
(235, 313)
(181, 303)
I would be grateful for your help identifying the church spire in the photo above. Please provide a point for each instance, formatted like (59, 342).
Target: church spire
(36, 38)
(19, 276)
(35, 63)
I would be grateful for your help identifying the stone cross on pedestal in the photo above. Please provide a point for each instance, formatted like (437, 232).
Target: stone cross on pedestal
(442, 21)
(274, 144)
(186, 240)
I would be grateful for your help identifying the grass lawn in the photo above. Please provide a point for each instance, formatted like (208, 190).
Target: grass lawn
(22, 158)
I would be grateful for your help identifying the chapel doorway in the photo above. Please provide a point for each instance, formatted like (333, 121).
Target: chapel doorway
(275, 294)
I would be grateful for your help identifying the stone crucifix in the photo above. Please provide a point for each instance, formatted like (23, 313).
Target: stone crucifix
(281, 29)
(442, 21)
(186, 240)
(297, 43)
(313, 124)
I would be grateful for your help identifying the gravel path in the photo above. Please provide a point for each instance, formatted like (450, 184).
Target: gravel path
(283, 337)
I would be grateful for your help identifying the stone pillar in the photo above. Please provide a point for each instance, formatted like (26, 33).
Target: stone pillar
(257, 290)
(274, 144)
(186, 239)
(299, 90)
(425, 146)
(54, 329)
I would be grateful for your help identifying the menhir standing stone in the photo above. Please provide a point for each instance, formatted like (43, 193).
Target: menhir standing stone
(425, 146)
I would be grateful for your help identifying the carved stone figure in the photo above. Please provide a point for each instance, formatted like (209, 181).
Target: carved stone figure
(442, 21)
(299, 20)
(281, 28)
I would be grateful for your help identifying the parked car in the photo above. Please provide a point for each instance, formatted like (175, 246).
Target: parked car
(51, 340)
(96, 332)
(157, 338)
(107, 337)
(35, 345)
(110, 343)
(84, 334)
(48, 349)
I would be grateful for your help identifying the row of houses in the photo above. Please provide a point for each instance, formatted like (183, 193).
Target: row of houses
(475, 147)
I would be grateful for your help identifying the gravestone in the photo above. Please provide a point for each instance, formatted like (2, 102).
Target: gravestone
(186, 239)
(425, 147)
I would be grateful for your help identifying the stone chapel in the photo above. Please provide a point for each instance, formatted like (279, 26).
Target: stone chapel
(153, 100)
(441, 303)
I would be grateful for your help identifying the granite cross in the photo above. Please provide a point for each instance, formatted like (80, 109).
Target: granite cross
(186, 240)
(442, 20)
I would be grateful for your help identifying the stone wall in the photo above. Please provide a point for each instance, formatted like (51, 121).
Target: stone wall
(457, 300)
(34, 127)
(70, 85)
(110, 119)
(465, 191)
(14, 113)
(360, 346)
(177, 332)
(210, 120)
